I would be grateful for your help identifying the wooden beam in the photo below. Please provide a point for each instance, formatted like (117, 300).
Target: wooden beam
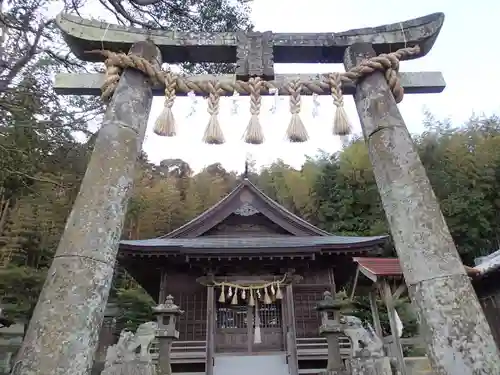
(355, 283)
(90, 83)
(389, 302)
(375, 313)
(163, 286)
(209, 364)
(399, 290)
(292, 357)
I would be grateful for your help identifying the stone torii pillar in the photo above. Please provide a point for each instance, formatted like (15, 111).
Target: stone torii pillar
(62, 336)
(458, 338)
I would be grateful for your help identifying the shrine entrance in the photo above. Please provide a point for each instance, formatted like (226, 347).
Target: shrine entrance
(238, 327)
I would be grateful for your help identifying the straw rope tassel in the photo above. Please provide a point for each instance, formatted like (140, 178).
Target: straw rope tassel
(253, 133)
(296, 131)
(222, 297)
(234, 301)
(279, 295)
(165, 123)
(341, 123)
(267, 299)
(257, 339)
(251, 300)
(213, 133)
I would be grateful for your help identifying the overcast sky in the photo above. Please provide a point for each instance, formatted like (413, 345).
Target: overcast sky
(466, 52)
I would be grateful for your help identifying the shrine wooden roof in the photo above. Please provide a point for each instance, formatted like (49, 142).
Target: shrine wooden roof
(244, 231)
(246, 200)
(216, 244)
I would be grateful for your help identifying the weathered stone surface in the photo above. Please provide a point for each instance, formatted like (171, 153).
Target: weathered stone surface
(254, 56)
(462, 335)
(136, 367)
(84, 35)
(455, 330)
(164, 362)
(370, 366)
(412, 82)
(62, 336)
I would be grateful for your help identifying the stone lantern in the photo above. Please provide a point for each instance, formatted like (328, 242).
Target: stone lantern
(167, 314)
(330, 310)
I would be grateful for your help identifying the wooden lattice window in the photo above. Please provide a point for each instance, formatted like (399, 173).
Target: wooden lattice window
(229, 316)
(270, 315)
(192, 324)
(307, 319)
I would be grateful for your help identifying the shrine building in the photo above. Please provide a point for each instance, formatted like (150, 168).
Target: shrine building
(247, 273)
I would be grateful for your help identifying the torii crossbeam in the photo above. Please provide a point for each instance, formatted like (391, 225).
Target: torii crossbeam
(62, 335)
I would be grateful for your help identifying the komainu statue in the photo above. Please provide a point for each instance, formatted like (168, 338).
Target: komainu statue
(125, 350)
(144, 336)
(358, 334)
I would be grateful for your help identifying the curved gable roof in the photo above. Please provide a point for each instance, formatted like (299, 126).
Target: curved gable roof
(246, 191)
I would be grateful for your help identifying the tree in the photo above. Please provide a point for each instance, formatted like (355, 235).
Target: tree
(19, 290)
(41, 162)
(348, 198)
(134, 308)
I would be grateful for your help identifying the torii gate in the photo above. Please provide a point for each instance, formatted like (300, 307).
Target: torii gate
(62, 335)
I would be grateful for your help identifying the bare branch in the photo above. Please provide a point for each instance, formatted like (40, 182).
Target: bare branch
(144, 2)
(39, 179)
(25, 59)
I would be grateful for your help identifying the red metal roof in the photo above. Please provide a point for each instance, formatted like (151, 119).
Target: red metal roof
(380, 266)
(390, 266)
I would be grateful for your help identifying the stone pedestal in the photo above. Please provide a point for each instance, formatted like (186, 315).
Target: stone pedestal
(135, 367)
(165, 345)
(364, 364)
(332, 333)
(334, 372)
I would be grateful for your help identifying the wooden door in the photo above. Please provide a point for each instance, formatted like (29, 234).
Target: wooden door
(271, 328)
(235, 328)
(232, 329)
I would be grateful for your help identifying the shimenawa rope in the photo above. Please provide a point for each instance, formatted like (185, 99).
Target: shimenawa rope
(255, 87)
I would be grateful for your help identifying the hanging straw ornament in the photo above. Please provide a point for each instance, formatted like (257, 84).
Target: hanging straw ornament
(296, 131)
(257, 339)
(235, 103)
(267, 299)
(251, 300)
(165, 123)
(213, 133)
(275, 93)
(194, 102)
(278, 292)
(341, 124)
(243, 294)
(222, 297)
(234, 301)
(316, 105)
(253, 133)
